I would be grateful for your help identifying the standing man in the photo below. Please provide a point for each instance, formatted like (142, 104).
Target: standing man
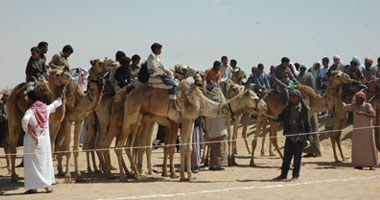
(376, 70)
(225, 70)
(35, 69)
(323, 77)
(296, 120)
(364, 152)
(284, 79)
(38, 169)
(306, 78)
(367, 72)
(60, 60)
(43, 50)
(337, 65)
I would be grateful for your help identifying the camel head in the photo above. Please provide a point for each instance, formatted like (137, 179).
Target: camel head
(232, 89)
(238, 75)
(338, 77)
(59, 77)
(99, 67)
(200, 79)
(251, 100)
(182, 71)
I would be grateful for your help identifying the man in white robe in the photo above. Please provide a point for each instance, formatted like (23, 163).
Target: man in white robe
(38, 164)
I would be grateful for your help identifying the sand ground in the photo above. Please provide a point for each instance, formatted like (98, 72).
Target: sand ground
(321, 178)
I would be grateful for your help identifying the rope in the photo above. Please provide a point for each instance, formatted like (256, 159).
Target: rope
(183, 144)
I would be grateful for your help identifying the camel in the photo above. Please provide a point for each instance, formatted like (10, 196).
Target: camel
(194, 104)
(238, 75)
(114, 121)
(105, 118)
(80, 106)
(340, 118)
(17, 105)
(315, 102)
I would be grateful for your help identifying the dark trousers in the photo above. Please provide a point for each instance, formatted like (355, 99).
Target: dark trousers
(292, 149)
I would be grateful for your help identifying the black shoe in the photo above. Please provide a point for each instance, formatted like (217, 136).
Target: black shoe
(371, 168)
(294, 178)
(280, 178)
(214, 168)
(358, 167)
(21, 164)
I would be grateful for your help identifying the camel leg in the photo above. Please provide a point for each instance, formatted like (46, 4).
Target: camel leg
(186, 138)
(88, 159)
(77, 131)
(8, 159)
(273, 137)
(234, 138)
(246, 117)
(171, 135)
(259, 123)
(14, 134)
(148, 150)
(229, 142)
(340, 146)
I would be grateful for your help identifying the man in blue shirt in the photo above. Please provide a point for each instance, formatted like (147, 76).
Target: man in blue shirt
(261, 79)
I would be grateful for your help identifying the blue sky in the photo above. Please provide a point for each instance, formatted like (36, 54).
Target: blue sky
(195, 32)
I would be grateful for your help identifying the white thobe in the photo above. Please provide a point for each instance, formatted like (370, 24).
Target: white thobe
(38, 164)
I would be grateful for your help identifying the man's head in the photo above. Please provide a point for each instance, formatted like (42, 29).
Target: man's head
(119, 54)
(325, 62)
(136, 59)
(368, 63)
(233, 63)
(156, 48)
(295, 96)
(224, 60)
(33, 96)
(216, 66)
(360, 97)
(302, 68)
(35, 51)
(125, 61)
(297, 66)
(354, 64)
(317, 65)
(285, 62)
(336, 59)
(260, 68)
(67, 50)
(43, 47)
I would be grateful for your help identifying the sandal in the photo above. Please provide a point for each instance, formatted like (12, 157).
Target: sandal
(49, 190)
(32, 191)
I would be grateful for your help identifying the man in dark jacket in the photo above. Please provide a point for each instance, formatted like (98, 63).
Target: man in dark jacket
(123, 73)
(35, 69)
(296, 124)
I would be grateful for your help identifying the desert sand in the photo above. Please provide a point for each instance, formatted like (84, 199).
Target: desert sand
(321, 178)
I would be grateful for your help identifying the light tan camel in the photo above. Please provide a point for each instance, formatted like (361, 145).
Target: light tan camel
(17, 105)
(194, 104)
(340, 117)
(113, 119)
(315, 102)
(238, 75)
(82, 104)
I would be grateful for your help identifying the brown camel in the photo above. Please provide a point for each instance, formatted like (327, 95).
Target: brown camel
(339, 119)
(315, 102)
(81, 104)
(17, 105)
(194, 104)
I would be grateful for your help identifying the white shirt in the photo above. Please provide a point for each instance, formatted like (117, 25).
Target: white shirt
(155, 66)
(323, 74)
(225, 72)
